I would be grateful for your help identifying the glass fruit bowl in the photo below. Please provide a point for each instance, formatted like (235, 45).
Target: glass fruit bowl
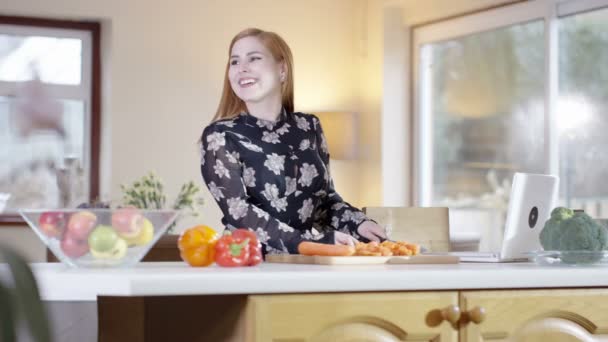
(99, 237)
(570, 258)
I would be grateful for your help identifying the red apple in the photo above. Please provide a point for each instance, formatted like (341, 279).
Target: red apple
(128, 222)
(73, 247)
(81, 224)
(51, 223)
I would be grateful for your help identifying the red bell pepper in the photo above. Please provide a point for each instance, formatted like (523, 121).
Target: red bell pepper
(241, 248)
(255, 247)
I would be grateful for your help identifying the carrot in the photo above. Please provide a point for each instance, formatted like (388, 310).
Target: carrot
(315, 248)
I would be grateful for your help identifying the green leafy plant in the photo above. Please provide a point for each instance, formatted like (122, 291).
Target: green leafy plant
(21, 303)
(148, 193)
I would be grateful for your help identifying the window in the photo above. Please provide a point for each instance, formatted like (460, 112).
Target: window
(49, 114)
(518, 88)
(485, 109)
(583, 116)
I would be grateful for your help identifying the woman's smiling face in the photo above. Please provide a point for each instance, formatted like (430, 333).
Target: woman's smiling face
(254, 73)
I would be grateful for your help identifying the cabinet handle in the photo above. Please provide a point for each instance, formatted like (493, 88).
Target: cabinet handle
(451, 313)
(476, 314)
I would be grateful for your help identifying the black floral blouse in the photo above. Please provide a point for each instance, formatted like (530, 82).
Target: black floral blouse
(273, 177)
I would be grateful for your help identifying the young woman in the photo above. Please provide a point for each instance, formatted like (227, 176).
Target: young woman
(268, 167)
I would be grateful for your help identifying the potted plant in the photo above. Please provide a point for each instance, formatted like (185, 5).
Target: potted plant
(21, 302)
(148, 193)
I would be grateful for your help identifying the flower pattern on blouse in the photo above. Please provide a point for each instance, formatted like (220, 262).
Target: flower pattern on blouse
(273, 178)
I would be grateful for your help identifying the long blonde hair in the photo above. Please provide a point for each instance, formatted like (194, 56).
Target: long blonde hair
(230, 104)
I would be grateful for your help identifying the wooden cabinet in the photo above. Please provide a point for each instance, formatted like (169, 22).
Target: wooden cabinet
(513, 315)
(535, 315)
(376, 317)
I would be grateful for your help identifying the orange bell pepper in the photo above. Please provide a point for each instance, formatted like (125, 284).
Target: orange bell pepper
(197, 245)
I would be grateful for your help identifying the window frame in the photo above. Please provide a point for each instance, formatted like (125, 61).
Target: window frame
(90, 32)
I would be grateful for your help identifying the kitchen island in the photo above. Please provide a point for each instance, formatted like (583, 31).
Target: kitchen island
(58, 282)
(284, 302)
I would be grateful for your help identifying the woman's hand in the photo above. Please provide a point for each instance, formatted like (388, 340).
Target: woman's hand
(344, 239)
(372, 231)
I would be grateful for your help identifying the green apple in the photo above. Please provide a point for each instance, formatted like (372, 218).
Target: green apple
(118, 251)
(103, 238)
(105, 243)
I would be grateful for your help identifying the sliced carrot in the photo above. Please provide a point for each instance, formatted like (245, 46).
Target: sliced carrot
(322, 249)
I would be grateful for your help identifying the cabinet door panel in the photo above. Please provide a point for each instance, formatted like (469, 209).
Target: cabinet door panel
(377, 317)
(537, 315)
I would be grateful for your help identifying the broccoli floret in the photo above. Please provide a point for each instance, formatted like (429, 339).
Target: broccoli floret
(581, 232)
(568, 231)
(549, 236)
(561, 213)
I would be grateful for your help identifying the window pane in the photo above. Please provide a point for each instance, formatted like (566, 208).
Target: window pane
(42, 165)
(56, 60)
(74, 124)
(582, 119)
(485, 100)
(482, 108)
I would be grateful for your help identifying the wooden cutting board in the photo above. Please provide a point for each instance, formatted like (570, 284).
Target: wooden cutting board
(361, 260)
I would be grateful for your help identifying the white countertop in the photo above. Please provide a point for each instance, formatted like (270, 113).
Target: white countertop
(57, 282)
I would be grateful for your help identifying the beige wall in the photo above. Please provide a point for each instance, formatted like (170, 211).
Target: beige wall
(163, 66)
(370, 93)
(24, 241)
